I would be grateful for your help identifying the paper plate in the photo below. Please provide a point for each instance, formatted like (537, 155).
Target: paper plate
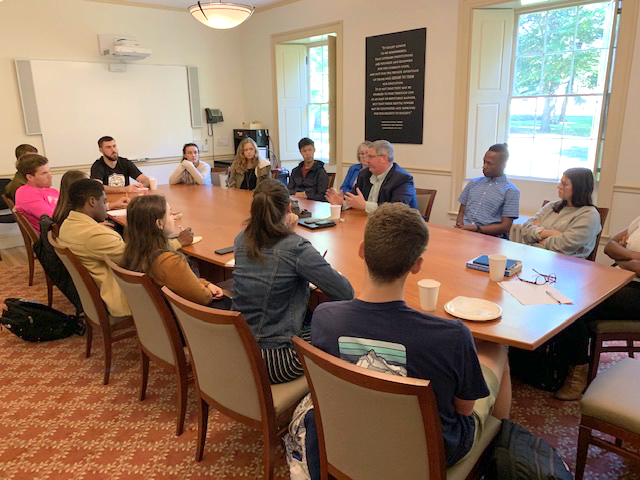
(475, 309)
(196, 239)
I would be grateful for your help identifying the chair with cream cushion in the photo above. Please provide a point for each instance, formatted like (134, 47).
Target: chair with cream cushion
(611, 406)
(373, 425)
(95, 311)
(625, 331)
(157, 330)
(231, 376)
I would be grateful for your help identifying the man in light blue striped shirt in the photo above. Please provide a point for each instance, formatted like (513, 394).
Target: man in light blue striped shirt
(489, 204)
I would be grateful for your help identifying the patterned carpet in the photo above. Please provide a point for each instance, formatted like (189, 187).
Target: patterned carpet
(57, 420)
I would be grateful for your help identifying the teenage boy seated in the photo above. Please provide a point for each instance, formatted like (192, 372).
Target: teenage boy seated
(114, 171)
(469, 384)
(309, 179)
(84, 234)
(36, 197)
(18, 179)
(383, 181)
(489, 204)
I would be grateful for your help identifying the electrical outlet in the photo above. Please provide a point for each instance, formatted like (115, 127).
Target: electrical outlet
(222, 141)
(205, 145)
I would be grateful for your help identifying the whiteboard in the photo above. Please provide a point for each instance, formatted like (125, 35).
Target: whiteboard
(145, 109)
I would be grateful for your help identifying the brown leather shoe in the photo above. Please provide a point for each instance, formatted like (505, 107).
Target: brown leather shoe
(574, 384)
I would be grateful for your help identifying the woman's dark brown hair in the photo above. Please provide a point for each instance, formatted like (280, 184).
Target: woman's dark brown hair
(63, 207)
(268, 211)
(145, 240)
(582, 188)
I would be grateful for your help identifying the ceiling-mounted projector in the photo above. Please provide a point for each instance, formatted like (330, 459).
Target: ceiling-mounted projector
(123, 48)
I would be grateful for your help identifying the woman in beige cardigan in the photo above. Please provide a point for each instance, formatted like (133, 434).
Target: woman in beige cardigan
(248, 169)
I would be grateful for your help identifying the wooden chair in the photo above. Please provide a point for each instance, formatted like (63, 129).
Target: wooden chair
(30, 237)
(157, 330)
(626, 331)
(231, 376)
(604, 212)
(425, 198)
(332, 179)
(378, 426)
(610, 406)
(95, 311)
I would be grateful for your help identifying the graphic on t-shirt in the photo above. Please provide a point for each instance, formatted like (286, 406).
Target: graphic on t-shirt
(116, 180)
(377, 355)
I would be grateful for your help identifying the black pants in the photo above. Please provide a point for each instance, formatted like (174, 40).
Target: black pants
(623, 305)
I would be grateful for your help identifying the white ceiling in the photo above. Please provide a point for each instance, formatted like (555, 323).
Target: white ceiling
(187, 3)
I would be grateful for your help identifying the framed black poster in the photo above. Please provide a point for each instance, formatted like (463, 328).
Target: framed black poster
(395, 72)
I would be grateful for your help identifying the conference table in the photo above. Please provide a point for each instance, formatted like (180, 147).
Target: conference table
(218, 215)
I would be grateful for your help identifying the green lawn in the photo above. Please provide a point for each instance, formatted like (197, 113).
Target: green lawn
(579, 126)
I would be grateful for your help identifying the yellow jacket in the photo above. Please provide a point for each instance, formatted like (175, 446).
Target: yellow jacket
(90, 241)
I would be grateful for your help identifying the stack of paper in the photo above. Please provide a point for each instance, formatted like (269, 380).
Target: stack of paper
(530, 294)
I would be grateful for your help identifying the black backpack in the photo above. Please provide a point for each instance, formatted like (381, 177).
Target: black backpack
(520, 455)
(545, 367)
(35, 322)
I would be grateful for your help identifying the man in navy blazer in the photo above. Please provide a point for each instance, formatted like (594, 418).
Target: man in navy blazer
(383, 181)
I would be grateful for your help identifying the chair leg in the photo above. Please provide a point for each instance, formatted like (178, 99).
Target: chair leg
(144, 377)
(203, 418)
(89, 338)
(49, 290)
(581, 453)
(596, 350)
(268, 452)
(183, 389)
(630, 346)
(31, 268)
(107, 356)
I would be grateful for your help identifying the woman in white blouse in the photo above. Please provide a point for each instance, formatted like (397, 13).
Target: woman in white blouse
(191, 170)
(570, 225)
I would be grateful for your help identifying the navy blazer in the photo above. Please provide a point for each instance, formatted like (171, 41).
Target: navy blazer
(396, 187)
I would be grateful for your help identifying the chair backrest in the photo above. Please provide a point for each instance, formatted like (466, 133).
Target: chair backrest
(29, 234)
(332, 178)
(227, 365)
(155, 324)
(92, 304)
(604, 212)
(372, 425)
(425, 197)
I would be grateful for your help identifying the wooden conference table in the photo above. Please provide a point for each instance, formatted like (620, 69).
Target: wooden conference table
(218, 214)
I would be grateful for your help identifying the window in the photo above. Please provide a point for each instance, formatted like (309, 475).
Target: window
(557, 89)
(318, 106)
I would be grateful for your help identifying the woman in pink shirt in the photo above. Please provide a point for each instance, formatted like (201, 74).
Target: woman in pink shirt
(36, 198)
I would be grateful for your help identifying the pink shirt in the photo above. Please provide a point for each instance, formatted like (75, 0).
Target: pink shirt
(34, 202)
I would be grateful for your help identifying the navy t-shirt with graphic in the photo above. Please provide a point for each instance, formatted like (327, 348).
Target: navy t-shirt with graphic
(115, 177)
(391, 337)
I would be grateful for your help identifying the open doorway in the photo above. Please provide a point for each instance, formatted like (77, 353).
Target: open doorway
(306, 92)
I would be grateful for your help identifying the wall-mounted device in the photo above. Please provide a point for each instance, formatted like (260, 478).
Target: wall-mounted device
(123, 48)
(214, 115)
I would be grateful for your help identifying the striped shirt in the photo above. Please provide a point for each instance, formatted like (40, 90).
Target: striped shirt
(487, 200)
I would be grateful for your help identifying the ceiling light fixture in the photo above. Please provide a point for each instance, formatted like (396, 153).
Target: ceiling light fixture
(221, 15)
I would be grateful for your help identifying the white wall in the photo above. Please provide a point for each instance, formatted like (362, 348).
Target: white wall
(68, 29)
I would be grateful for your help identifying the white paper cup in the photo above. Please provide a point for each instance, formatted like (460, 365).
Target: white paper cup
(428, 294)
(153, 183)
(335, 212)
(497, 266)
(223, 180)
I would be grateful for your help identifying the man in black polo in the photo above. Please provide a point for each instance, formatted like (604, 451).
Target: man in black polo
(114, 171)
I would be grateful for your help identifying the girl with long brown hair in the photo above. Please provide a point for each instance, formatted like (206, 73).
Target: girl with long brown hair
(248, 169)
(149, 222)
(273, 269)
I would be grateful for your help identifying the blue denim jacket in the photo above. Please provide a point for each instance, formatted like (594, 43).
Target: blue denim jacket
(273, 292)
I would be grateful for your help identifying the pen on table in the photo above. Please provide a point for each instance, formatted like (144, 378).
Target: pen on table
(325, 253)
(181, 227)
(552, 296)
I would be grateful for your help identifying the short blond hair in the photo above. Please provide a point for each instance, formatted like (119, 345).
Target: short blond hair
(395, 237)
